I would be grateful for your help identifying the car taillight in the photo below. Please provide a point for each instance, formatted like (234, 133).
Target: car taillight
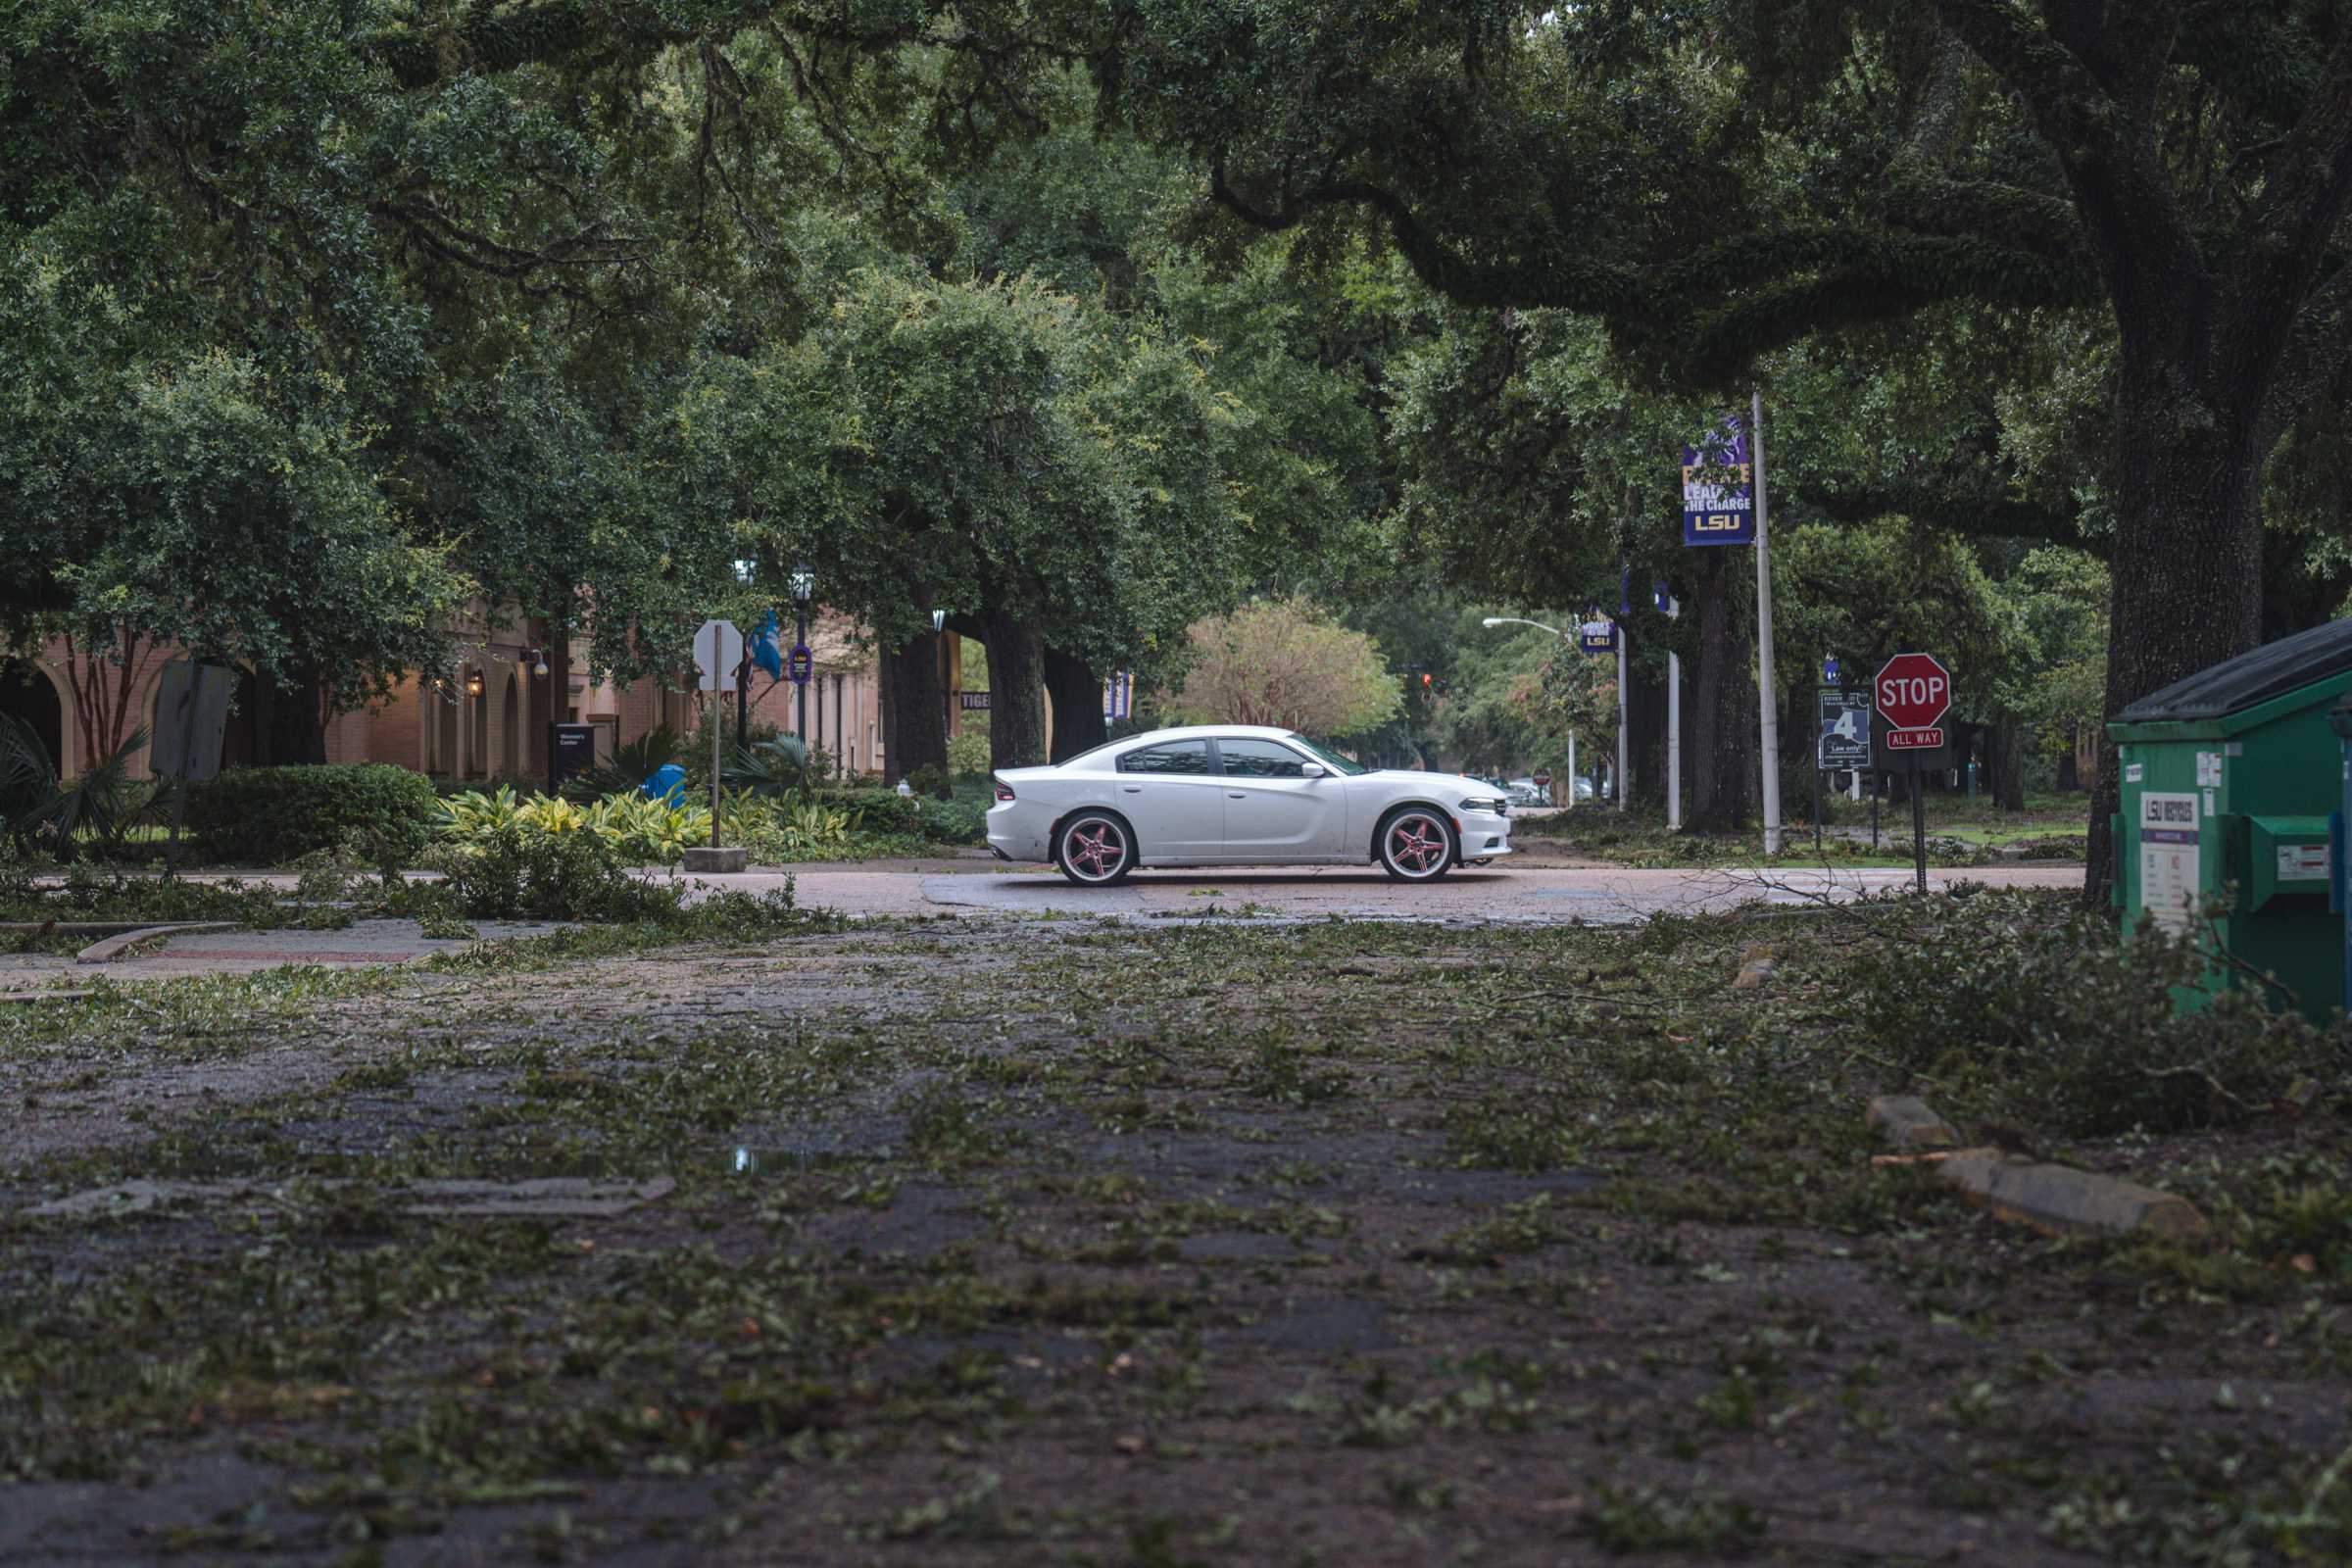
(1004, 791)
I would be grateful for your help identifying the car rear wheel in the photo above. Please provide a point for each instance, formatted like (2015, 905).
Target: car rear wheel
(1416, 844)
(1095, 849)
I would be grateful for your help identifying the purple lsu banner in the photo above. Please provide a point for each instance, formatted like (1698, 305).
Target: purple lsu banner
(1719, 489)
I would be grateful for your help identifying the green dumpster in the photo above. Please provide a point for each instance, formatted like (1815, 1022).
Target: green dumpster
(2227, 780)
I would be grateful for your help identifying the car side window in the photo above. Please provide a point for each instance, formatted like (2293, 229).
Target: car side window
(1251, 759)
(1173, 757)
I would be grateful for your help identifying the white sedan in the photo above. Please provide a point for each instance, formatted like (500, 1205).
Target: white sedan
(1239, 794)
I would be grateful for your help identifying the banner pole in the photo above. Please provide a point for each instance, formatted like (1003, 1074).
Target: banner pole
(1623, 795)
(1767, 694)
(717, 641)
(1674, 727)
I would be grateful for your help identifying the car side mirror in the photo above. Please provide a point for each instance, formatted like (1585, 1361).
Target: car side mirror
(1311, 769)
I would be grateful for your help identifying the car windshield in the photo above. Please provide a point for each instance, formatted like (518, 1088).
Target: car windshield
(1326, 756)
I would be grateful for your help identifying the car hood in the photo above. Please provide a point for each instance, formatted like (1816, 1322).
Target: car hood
(1438, 783)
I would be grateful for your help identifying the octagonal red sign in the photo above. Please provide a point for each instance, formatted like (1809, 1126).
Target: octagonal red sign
(1912, 691)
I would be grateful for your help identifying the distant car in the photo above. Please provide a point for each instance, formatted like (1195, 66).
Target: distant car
(1523, 792)
(1241, 795)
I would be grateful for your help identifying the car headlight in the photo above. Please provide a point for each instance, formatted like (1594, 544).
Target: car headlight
(1487, 803)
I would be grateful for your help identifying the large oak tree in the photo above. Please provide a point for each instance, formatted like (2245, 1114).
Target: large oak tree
(1717, 179)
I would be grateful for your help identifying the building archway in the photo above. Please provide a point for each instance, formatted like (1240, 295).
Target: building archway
(445, 731)
(27, 692)
(511, 729)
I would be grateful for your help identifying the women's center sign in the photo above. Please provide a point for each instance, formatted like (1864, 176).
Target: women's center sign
(1719, 489)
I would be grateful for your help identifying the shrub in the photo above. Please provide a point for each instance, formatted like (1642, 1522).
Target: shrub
(2049, 1020)
(275, 815)
(872, 812)
(956, 821)
(967, 756)
(513, 872)
(630, 826)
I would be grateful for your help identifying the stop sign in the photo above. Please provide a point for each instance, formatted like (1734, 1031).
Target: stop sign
(1912, 691)
(1542, 778)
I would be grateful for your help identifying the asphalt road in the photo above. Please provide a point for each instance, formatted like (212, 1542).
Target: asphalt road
(1536, 895)
(1521, 895)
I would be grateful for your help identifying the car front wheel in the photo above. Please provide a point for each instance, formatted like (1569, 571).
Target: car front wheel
(1095, 849)
(1415, 845)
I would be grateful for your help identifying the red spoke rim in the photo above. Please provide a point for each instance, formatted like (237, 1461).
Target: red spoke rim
(1417, 845)
(1095, 849)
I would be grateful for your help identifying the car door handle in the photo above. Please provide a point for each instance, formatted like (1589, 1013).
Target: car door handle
(1237, 795)
(1131, 789)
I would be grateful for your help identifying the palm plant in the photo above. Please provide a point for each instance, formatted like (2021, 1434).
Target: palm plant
(102, 804)
(774, 769)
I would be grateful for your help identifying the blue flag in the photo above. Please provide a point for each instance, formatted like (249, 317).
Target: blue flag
(767, 650)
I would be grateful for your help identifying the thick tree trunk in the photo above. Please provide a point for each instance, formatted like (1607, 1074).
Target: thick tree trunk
(1016, 694)
(1720, 750)
(2009, 751)
(1077, 696)
(2188, 539)
(919, 703)
(1646, 735)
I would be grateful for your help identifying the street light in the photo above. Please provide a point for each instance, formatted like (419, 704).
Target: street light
(802, 581)
(947, 697)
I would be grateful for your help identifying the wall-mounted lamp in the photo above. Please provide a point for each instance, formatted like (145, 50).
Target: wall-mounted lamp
(474, 683)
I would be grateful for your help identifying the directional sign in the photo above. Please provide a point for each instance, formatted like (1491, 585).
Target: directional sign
(717, 652)
(1843, 738)
(800, 664)
(1913, 691)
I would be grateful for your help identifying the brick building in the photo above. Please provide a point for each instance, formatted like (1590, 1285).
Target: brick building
(486, 721)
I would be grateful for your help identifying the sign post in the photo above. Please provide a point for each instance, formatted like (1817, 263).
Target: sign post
(718, 658)
(1672, 608)
(1841, 739)
(1724, 503)
(191, 722)
(1911, 693)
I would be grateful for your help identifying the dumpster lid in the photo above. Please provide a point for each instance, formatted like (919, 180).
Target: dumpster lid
(2251, 679)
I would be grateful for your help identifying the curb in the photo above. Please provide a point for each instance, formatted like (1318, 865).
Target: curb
(113, 947)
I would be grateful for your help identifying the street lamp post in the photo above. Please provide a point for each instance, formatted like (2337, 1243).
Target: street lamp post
(947, 697)
(743, 672)
(803, 589)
